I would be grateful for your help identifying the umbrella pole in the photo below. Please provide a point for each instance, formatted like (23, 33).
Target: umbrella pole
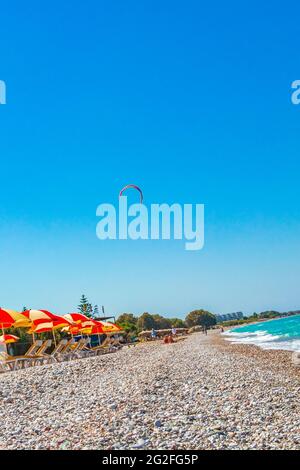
(3, 335)
(54, 339)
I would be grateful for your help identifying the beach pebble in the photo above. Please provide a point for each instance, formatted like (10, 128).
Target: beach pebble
(157, 423)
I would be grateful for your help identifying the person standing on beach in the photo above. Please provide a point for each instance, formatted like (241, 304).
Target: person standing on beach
(153, 333)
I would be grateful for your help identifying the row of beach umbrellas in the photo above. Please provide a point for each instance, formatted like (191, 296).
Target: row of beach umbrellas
(40, 321)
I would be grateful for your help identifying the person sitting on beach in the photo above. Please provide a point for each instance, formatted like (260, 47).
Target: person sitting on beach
(174, 331)
(168, 339)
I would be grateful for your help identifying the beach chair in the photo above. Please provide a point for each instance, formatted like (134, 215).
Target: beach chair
(41, 356)
(68, 346)
(50, 358)
(105, 347)
(42, 350)
(13, 362)
(28, 359)
(81, 350)
(20, 362)
(59, 347)
(6, 363)
(88, 351)
(9, 363)
(32, 351)
(64, 352)
(116, 343)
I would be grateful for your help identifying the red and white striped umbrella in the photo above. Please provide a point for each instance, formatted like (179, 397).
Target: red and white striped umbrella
(38, 317)
(80, 319)
(7, 339)
(10, 318)
(109, 327)
(103, 327)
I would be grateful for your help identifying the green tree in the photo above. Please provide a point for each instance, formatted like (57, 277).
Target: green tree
(161, 323)
(127, 318)
(96, 311)
(128, 322)
(128, 327)
(90, 311)
(200, 317)
(270, 314)
(85, 307)
(177, 323)
(146, 322)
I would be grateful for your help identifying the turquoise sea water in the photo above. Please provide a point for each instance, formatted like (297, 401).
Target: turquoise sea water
(281, 333)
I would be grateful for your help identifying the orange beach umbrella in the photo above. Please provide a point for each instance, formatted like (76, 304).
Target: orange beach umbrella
(83, 324)
(9, 318)
(7, 339)
(42, 316)
(109, 327)
(79, 319)
(42, 327)
(43, 320)
(93, 330)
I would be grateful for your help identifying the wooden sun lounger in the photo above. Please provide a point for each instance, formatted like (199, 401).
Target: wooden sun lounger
(35, 353)
(104, 348)
(32, 351)
(9, 361)
(116, 344)
(66, 349)
(59, 348)
(41, 356)
(80, 349)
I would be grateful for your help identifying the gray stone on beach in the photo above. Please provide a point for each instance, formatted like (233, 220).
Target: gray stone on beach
(140, 443)
(157, 423)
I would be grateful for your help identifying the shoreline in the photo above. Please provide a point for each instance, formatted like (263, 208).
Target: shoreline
(278, 344)
(279, 359)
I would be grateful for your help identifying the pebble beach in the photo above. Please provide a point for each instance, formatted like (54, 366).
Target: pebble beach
(198, 393)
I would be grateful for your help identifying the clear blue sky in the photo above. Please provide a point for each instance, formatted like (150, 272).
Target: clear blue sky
(188, 100)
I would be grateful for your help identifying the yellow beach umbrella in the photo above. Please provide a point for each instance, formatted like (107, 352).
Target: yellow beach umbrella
(109, 327)
(43, 320)
(48, 326)
(9, 318)
(7, 339)
(80, 319)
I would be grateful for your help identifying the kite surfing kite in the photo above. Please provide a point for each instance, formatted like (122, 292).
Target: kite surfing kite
(134, 187)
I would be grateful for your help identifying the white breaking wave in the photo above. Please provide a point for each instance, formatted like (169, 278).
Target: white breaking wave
(263, 339)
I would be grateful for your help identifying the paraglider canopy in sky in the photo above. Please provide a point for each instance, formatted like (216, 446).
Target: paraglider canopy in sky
(134, 187)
